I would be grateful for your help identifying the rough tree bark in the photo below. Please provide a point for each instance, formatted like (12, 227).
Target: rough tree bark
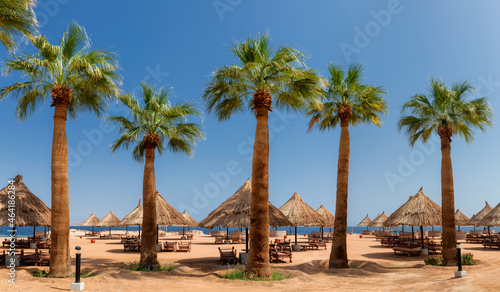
(149, 230)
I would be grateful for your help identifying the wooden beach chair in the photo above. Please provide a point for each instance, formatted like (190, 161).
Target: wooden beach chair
(170, 246)
(228, 255)
(219, 239)
(186, 247)
(409, 250)
(43, 258)
(276, 255)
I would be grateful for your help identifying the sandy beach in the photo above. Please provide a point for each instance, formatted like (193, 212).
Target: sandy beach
(373, 268)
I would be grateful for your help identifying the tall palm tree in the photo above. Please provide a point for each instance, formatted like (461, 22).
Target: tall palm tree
(157, 126)
(447, 112)
(263, 74)
(17, 18)
(78, 79)
(347, 101)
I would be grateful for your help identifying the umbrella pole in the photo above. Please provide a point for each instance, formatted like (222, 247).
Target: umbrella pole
(422, 235)
(412, 234)
(92, 230)
(246, 237)
(110, 230)
(458, 227)
(183, 231)
(45, 231)
(290, 230)
(157, 233)
(489, 234)
(295, 235)
(139, 230)
(322, 237)
(35, 233)
(227, 232)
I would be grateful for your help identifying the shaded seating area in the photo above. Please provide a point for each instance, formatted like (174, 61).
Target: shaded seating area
(407, 249)
(37, 258)
(132, 245)
(228, 255)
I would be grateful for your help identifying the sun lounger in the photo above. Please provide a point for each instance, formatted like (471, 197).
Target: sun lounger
(407, 249)
(131, 246)
(228, 255)
(184, 246)
(170, 246)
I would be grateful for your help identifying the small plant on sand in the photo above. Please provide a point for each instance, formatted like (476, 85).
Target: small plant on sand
(159, 268)
(239, 273)
(87, 274)
(41, 274)
(434, 261)
(468, 259)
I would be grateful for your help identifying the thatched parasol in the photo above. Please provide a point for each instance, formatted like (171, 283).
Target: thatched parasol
(189, 219)
(136, 213)
(329, 218)
(474, 220)
(492, 218)
(365, 222)
(91, 221)
(165, 214)
(29, 210)
(379, 220)
(109, 220)
(460, 219)
(235, 212)
(419, 210)
(301, 214)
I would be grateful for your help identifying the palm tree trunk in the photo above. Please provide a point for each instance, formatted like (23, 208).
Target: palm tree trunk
(149, 232)
(59, 253)
(258, 258)
(338, 255)
(448, 204)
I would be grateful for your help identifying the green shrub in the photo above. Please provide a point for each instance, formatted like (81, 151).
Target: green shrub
(434, 261)
(468, 259)
(41, 274)
(239, 274)
(136, 267)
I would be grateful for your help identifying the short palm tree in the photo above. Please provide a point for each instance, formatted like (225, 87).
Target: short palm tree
(447, 112)
(346, 102)
(157, 126)
(263, 74)
(78, 79)
(17, 18)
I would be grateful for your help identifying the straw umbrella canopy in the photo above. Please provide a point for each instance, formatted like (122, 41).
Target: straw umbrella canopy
(329, 218)
(419, 210)
(492, 218)
(91, 221)
(235, 212)
(474, 220)
(460, 219)
(29, 210)
(136, 213)
(365, 222)
(301, 214)
(189, 219)
(109, 221)
(379, 220)
(165, 214)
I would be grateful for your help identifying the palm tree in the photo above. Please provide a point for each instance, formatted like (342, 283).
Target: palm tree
(263, 73)
(156, 126)
(16, 19)
(446, 112)
(77, 79)
(346, 102)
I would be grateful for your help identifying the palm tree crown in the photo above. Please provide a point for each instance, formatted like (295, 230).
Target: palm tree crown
(346, 97)
(445, 111)
(157, 124)
(76, 76)
(263, 73)
(17, 18)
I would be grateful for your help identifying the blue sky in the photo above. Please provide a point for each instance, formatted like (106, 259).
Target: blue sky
(177, 44)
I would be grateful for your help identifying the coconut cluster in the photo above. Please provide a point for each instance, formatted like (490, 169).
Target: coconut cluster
(151, 140)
